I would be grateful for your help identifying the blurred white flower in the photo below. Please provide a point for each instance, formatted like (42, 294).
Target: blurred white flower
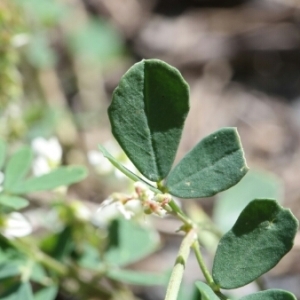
(19, 40)
(143, 200)
(102, 164)
(81, 211)
(49, 155)
(40, 166)
(16, 225)
(50, 149)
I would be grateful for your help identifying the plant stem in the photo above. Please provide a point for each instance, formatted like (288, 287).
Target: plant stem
(180, 214)
(39, 256)
(178, 269)
(52, 264)
(207, 275)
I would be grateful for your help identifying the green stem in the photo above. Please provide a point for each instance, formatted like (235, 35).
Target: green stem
(60, 269)
(39, 256)
(207, 275)
(178, 269)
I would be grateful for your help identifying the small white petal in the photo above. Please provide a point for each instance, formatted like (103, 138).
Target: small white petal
(125, 213)
(95, 158)
(54, 150)
(81, 211)
(39, 145)
(134, 205)
(102, 164)
(20, 40)
(105, 214)
(40, 166)
(16, 226)
(50, 149)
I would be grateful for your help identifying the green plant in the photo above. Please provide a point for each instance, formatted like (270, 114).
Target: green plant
(147, 115)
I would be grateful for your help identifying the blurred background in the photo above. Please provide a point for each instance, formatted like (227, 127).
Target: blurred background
(60, 61)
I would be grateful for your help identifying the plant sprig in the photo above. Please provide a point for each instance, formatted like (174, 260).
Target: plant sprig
(147, 115)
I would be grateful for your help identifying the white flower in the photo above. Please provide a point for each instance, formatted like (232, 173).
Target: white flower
(40, 166)
(19, 40)
(49, 155)
(50, 149)
(81, 211)
(16, 225)
(102, 164)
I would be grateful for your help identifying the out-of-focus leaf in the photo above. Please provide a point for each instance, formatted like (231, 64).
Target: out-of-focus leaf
(96, 41)
(215, 164)
(261, 236)
(206, 292)
(13, 201)
(38, 274)
(19, 291)
(47, 293)
(39, 52)
(62, 176)
(271, 295)
(129, 242)
(90, 258)
(188, 292)
(59, 245)
(138, 278)
(9, 269)
(147, 115)
(17, 167)
(230, 203)
(46, 12)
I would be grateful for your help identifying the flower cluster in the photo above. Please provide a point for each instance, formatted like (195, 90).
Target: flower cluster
(142, 200)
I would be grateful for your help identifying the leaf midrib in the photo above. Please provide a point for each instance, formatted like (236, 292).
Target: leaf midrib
(146, 109)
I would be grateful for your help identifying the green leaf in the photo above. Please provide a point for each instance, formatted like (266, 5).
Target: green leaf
(129, 242)
(58, 177)
(215, 164)
(59, 245)
(19, 291)
(206, 292)
(138, 278)
(2, 153)
(256, 184)
(48, 293)
(17, 167)
(13, 201)
(262, 235)
(9, 269)
(147, 115)
(270, 295)
(38, 274)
